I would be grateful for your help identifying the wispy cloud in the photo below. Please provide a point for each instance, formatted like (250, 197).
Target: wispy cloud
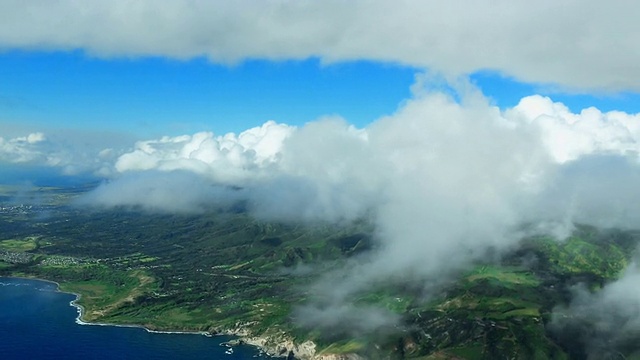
(173, 192)
(72, 152)
(24, 149)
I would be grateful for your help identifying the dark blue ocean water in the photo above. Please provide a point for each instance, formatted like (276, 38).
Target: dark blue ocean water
(37, 322)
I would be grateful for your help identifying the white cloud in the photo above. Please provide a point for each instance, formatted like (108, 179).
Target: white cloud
(34, 138)
(569, 136)
(24, 149)
(578, 44)
(446, 182)
(178, 191)
(228, 159)
(431, 150)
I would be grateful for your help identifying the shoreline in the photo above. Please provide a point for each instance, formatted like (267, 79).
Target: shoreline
(241, 338)
(81, 310)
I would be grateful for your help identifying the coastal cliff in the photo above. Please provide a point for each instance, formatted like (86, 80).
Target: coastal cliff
(280, 344)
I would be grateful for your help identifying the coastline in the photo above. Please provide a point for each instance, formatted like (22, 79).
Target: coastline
(242, 337)
(81, 310)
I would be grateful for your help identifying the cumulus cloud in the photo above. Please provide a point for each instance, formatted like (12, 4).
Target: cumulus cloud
(334, 170)
(576, 44)
(432, 156)
(446, 180)
(326, 171)
(569, 136)
(230, 158)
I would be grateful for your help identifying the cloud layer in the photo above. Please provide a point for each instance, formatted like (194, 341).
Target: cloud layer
(576, 44)
(446, 180)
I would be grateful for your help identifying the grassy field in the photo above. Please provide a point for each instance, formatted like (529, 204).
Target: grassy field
(577, 255)
(343, 347)
(504, 276)
(19, 245)
(109, 292)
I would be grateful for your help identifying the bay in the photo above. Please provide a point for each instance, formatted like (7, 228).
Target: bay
(38, 322)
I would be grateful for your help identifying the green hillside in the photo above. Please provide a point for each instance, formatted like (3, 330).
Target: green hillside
(226, 271)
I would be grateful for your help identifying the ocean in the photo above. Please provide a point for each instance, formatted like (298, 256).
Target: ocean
(38, 322)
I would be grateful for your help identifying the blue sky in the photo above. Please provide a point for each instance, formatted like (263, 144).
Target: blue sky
(154, 96)
(159, 96)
